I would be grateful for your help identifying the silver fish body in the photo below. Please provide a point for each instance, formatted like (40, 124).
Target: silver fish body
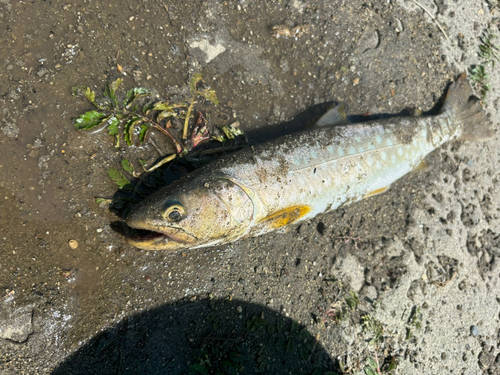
(296, 177)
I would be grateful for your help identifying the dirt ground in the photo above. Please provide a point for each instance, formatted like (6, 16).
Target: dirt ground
(422, 258)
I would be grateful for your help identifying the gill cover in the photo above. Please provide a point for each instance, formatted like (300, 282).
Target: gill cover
(190, 214)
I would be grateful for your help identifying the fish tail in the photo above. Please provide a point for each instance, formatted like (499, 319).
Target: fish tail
(466, 111)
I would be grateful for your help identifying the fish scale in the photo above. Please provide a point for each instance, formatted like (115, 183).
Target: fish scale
(296, 177)
(328, 181)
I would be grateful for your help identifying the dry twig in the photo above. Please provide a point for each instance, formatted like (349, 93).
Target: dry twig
(435, 20)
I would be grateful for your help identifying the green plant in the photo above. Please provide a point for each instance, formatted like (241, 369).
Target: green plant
(341, 304)
(373, 366)
(480, 78)
(131, 116)
(414, 322)
(352, 300)
(488, 51)
(373, 326)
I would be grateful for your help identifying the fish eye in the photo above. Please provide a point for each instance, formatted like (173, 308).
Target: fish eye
(174, 212)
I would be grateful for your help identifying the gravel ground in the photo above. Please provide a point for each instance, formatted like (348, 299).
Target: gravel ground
(422, 258)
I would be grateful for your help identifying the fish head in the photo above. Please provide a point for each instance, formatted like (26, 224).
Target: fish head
(190, 214)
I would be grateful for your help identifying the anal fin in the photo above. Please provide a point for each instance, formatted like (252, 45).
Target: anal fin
(423, 166)
(376, 192)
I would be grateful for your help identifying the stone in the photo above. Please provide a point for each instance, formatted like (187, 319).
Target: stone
(16, 323)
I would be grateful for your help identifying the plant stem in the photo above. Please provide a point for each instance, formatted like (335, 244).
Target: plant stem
(161, 162)
(178, 147)
(188, 115)
(435, 20)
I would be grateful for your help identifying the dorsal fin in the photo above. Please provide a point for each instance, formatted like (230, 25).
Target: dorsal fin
(335, 116)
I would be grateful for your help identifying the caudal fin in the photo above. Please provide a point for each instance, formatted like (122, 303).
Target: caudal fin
(467, 111)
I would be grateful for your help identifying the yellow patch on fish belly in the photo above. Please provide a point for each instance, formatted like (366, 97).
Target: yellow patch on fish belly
(376, 192)
(284, 217)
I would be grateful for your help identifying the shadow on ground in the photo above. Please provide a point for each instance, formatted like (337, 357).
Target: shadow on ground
(202, 337)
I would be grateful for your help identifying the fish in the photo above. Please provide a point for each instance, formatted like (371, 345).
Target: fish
(295, 177)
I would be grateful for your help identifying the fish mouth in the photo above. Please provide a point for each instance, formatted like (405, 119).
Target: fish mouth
(167, 239)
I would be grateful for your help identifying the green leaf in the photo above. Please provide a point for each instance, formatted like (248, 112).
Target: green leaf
(143, 162)
(209, 95)
(368, 371)
(90, 95)
(372, 363)
(129, 129)
(112, 87)
(230, 132)
(197, 78)
(393, 365)
(129, 97)
(128, 166)
(114, 123)
(144, 130)
(119, 179)
(102, 200)
(409, 333)
(165, 114)
(163, 106)
(135, 93)
(89, 119)
(352, 300)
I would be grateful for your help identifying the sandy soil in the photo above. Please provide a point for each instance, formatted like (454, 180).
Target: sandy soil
(423, 257)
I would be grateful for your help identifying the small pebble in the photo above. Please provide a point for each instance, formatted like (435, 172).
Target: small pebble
(474, 331)
(73, 244)
(239, 309)
(99, 230)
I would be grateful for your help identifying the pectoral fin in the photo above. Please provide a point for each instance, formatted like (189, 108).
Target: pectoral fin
(283, 217)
